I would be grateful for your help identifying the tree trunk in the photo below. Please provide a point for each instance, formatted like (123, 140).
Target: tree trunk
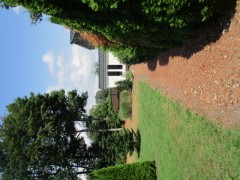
(100, 130)
(83, 167)
(84, 119)
(86, 157)
(83, 172)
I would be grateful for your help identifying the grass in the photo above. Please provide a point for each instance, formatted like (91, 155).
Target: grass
(183, 144)
(125, 109)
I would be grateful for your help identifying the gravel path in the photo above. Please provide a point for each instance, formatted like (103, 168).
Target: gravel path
(203, 74)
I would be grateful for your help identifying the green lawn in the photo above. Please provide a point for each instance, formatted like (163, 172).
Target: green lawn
(183, 144)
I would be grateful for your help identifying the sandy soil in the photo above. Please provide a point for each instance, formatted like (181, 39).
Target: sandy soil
(133, 122)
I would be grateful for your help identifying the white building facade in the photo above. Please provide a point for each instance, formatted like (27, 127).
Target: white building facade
(110, 70)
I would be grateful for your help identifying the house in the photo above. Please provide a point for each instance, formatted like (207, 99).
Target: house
(75, 38)
(110, 70)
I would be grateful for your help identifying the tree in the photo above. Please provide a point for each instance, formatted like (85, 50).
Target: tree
(103, 116)
(120, 22)
(100, 130)
(110, 141)
(101, 95)
(39, 139)
(96, 69)
(111, 148)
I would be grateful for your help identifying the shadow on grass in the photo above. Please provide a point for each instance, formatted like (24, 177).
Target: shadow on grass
(206, 34)
(136, 142)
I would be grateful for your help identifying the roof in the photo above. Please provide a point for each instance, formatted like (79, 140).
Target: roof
(75, 38)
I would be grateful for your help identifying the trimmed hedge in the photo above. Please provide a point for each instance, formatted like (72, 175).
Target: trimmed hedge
(136, 171)
(135, 30)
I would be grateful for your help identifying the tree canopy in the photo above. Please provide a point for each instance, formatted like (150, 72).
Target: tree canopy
(101, 95)
(110, 147)
(38, 137)
(134, 30)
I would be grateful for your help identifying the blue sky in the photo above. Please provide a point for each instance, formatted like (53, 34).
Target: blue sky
(39, 58)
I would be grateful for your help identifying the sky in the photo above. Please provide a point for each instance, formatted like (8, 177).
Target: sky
(39, 58)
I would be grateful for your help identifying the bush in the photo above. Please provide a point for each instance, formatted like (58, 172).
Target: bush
(124, 85)
(125, 109)
(129, 75)
(135, 171)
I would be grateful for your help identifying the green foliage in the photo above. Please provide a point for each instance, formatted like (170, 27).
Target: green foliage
(124, 85)
(109, 147)
(101, 95)
(66, 175)
(124, 96)
(134, 171)
(103, 116)
(183, 144)
(125, 109)
(38, 136)
(128, 54)
(35, 17)
(166, 23)
(96, 69)
(129, 75)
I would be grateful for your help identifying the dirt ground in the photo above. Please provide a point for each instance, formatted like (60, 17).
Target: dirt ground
(202, 74)
(133, 122)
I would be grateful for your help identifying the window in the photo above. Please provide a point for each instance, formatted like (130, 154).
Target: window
(114, 73)
(114, 66)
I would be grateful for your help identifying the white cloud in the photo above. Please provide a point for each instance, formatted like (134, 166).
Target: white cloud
(73, 73)
(48, 58)
(18, 9)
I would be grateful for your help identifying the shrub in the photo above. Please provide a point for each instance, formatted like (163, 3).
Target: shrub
(135, 171)
(124, 85)
(129, 75)
(125, 109)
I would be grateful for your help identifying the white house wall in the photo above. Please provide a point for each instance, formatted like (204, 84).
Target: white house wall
(112, 60)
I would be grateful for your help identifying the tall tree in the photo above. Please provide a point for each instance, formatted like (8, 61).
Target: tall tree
(110, 141)
(102, 115)
(38, 139)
